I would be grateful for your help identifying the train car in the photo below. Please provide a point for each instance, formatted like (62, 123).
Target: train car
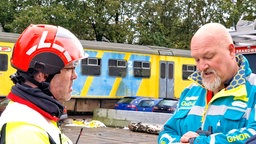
(115, 70)
(5, 68)
(250, 53)
(244, 38)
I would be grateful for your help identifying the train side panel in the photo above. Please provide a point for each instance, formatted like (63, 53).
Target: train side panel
(5, 68)
(150, 86)
(184, 66)
(105, 86)
(174, 80)
(115, 70)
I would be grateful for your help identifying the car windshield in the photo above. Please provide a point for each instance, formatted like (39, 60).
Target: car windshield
(126, 100)
(146, 103)
(167, 103)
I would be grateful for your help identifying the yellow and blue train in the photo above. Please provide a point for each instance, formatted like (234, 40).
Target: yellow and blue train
(113, 71)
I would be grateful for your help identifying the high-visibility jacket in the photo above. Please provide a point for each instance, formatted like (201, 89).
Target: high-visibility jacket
(230, 113)
(21, 124)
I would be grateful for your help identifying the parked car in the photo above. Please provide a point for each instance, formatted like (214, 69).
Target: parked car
(147, 104)
(166, 105)
(128, 103)
(3, 104)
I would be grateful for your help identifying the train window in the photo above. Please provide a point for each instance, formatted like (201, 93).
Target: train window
(117, 67)
(91, 66)
(187, 70)
(92, 61)
(137, 64)
(170, 71)
(191, 68)
(146, 65)
(112, 63)
(121, 63)
(141, 69)
(3, 62)
(162, 70)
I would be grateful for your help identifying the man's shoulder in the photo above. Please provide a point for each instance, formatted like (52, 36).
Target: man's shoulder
(193, 85)
(193, 90)
(16, 112)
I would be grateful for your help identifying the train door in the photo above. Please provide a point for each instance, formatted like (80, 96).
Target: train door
(166, 80)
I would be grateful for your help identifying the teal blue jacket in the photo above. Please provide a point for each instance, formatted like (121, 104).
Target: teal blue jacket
(230, 113)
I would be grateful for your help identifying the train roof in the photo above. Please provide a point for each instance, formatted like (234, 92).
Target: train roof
(245, 33)
(100, 45)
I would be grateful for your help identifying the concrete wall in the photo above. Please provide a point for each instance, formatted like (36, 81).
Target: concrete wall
(122, 118)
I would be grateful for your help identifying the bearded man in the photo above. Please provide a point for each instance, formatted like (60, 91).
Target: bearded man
(219, 106)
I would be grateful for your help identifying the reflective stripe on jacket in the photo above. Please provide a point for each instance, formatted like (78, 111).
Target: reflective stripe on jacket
(23, 125)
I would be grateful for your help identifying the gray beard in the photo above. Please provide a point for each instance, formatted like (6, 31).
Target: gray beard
(212, 86)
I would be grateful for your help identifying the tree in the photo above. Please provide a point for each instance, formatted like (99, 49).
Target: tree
(160, 23)
(109, 20)
(8, 10)
(168, 23)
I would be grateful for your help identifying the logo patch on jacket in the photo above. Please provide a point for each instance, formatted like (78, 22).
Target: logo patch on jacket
(189, 101)
(239, 104)
(191, 98)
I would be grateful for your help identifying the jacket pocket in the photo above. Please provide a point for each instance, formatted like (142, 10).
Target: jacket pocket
(186, 121)
(234, 115)
(233, 119)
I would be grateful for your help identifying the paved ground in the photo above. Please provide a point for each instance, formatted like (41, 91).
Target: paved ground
(108, 136)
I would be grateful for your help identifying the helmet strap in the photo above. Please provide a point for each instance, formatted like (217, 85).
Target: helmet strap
(20, 77)
(17, 78)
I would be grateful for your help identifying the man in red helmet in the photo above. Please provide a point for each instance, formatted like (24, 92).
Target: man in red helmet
(45, 57)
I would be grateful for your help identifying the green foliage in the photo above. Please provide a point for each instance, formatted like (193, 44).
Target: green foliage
(168, 23)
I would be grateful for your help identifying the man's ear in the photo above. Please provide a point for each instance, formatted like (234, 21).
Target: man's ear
(40, 77)
(232, 50)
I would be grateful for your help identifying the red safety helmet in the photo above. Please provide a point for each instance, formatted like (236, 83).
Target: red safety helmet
(52, 47)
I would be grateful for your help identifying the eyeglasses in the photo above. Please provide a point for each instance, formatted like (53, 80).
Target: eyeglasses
(70, 68)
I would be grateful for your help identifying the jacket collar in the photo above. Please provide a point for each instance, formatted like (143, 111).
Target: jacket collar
(238, 79)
